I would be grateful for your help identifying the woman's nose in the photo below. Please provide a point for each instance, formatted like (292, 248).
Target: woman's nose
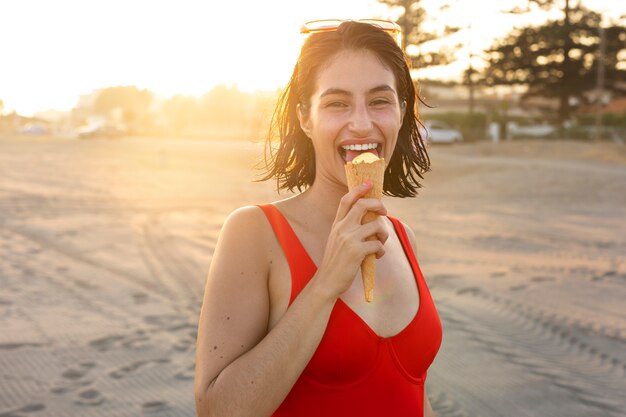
(360, 121)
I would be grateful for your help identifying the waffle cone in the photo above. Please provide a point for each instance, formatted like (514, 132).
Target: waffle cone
(357, 173)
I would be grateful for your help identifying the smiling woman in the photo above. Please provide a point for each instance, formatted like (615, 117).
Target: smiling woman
(389, 92)
(338, 103)
(284, 328)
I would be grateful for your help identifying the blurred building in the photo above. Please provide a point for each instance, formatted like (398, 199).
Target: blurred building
(448, 97)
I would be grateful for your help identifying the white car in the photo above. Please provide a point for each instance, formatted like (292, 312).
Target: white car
(531, 131)
(438, 132)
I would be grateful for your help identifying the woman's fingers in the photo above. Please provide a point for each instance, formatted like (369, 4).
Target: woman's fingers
(350, 241)
(348, 200)
(376, 229)
(364, 205)
(375, 247)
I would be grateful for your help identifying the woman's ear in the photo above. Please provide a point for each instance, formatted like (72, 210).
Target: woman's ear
(403, 110)
(303, 117)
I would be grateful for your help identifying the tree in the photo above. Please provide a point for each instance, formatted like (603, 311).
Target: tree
(182, 112)
(559, 58)
(414, 37)
(226, 105)
(133, 103)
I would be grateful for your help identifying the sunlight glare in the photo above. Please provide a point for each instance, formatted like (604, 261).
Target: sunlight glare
(56, 51)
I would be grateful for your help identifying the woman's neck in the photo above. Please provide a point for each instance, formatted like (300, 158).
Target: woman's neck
(321, 201)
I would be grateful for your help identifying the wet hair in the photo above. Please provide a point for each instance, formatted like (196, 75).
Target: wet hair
(292, 161)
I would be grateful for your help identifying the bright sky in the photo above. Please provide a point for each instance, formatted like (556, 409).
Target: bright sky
(54, 51)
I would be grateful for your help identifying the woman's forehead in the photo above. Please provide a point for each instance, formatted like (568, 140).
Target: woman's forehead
(355, 72)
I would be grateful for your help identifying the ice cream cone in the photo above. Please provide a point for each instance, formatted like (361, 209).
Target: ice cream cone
(367, 166)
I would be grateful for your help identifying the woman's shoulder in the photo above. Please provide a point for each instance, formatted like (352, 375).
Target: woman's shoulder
(246, 221)
(244, 240)
(409, 231)
(256, 218)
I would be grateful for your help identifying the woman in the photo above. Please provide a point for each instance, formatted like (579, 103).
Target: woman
(284, 328)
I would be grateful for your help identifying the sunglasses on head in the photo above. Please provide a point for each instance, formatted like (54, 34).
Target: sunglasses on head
(329, 25)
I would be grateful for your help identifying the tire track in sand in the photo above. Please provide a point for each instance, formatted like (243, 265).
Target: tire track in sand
(541, 344)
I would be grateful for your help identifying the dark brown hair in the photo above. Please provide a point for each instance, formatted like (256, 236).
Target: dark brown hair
(292, 162)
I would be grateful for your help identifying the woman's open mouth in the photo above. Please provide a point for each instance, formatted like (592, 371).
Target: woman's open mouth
(349, 152)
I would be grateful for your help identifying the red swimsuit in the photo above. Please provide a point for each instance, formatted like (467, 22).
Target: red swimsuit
(355, 372)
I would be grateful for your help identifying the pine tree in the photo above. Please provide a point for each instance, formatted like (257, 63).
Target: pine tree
(414, 37)
(559, 58)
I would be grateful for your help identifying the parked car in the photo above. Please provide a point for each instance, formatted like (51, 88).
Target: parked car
(530, 131)
(100, 131)
(438, 132)
(34, 129)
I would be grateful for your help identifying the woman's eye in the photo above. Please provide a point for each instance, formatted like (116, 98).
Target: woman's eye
(380, 102)
(336, 104)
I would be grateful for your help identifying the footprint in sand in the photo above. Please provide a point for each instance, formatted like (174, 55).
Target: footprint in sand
(184, 344)
(165, 320)
(89, 396)
(74, 377)
(518, 287)
(27, 409)
(186, 374)
(607, 274)
(125, 370)
(74, 373)
(445, 406)
(13, 346)
(154, 406)
(27, 271)
(140, 298)
(542, 279)
(440, 277)
(105, 343)
(470, 290)
(84, 395)
(137, 342)
(498, 274)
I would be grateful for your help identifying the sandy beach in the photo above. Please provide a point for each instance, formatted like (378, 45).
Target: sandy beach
(105, 245)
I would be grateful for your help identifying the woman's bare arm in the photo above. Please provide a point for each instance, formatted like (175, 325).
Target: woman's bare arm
(239, 369)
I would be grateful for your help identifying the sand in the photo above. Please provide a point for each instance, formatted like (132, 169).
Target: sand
(105, 244)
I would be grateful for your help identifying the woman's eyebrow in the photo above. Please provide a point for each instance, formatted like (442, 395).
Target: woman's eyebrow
(339, 91)
(383, 87)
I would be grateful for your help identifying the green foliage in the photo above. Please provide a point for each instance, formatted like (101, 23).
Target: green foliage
(181, 112)
(411, 20)
(608, 119)
(224, 112)
(127, 103)
(125, 97)
(558, 58)
(226, 104)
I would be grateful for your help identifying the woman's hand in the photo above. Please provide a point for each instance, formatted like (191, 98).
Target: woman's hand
(347, 245)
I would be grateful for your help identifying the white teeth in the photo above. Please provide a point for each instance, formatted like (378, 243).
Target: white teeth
(360, 147)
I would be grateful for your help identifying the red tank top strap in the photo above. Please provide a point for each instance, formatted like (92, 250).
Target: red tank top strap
(406, 245)
(300, 263)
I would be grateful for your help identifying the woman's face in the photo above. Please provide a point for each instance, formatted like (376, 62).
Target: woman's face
(354, 108)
